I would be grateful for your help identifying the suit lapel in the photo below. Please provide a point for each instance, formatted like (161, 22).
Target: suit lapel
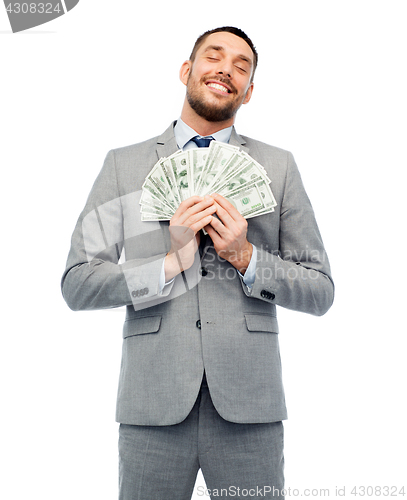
(237, 140)
(166, 143)
(166, 146)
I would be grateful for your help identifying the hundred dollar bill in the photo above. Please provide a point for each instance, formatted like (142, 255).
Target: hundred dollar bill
(197, 158)
(148, 198)
(235, 163)
(157, 208)
(219, 156)
(156, 183)
(149, 186)
(247, 201)
(170, 178)
(180, 165)
(260, 167)
(246, 172)
(259, 191)
(267, 194)
(151, 211)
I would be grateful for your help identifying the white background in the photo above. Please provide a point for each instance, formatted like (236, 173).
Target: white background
(330, 87)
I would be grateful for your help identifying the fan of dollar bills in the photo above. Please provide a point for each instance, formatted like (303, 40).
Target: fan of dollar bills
(220, 168)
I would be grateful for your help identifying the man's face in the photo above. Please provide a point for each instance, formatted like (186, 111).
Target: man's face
(218, 81)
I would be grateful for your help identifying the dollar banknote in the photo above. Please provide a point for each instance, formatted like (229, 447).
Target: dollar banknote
(219, 168)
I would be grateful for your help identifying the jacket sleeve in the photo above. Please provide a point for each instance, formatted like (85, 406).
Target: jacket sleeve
(93, 278)
(298, 276)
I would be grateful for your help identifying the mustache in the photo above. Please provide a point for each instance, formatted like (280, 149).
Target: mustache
(221, 79)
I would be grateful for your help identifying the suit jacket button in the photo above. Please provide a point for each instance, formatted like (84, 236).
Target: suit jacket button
(267, 295)
(204, 272)
(198, 324)
(139, 293)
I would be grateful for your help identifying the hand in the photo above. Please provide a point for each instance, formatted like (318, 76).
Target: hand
(191, 216)
(229, 234)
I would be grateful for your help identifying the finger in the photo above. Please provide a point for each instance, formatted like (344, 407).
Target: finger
(224, 216)
(194, 220)
(213, 234)
(186, 204)
(194, 214)
(194, 203)
(184, 233)
(218, 226)
(227, 206)
(205, 221)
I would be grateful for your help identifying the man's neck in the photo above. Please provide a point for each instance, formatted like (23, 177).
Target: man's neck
(202, 126)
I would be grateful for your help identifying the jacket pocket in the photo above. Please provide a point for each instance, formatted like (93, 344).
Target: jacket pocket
(142, 325)
(261, 323)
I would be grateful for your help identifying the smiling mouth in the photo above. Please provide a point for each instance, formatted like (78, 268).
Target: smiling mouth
(219, 87)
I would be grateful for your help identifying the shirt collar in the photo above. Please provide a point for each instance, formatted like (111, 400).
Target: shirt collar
(184, 133)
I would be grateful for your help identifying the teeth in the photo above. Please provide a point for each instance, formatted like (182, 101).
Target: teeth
(218, 87)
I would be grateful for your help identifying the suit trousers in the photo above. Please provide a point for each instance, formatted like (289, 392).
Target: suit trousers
(237, 460)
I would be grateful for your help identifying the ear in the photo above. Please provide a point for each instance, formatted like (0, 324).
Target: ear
(184, 71)
(248, 94)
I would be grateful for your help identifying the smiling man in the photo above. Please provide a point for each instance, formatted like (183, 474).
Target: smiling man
(200, 383)
(219, 80)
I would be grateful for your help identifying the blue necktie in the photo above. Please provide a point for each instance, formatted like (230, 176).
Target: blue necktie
(203, 142)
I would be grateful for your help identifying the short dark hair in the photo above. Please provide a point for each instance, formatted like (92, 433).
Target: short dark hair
(229, 29)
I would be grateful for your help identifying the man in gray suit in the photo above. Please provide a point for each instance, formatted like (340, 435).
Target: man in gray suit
(200, 383)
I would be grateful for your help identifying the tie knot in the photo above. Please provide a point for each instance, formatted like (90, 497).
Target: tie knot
(202, 142)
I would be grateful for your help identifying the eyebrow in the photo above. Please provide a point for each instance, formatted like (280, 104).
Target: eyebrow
(221, 49)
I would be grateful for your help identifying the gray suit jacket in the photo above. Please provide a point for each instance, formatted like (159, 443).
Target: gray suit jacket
(204, 320)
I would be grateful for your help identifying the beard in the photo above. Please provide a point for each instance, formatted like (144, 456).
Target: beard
(212, 112)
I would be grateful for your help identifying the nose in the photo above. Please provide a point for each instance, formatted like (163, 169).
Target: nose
(225, 68)
(224, 74)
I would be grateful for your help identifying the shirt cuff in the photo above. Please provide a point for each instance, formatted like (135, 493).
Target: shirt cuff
(250, 274)
(161, 283)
